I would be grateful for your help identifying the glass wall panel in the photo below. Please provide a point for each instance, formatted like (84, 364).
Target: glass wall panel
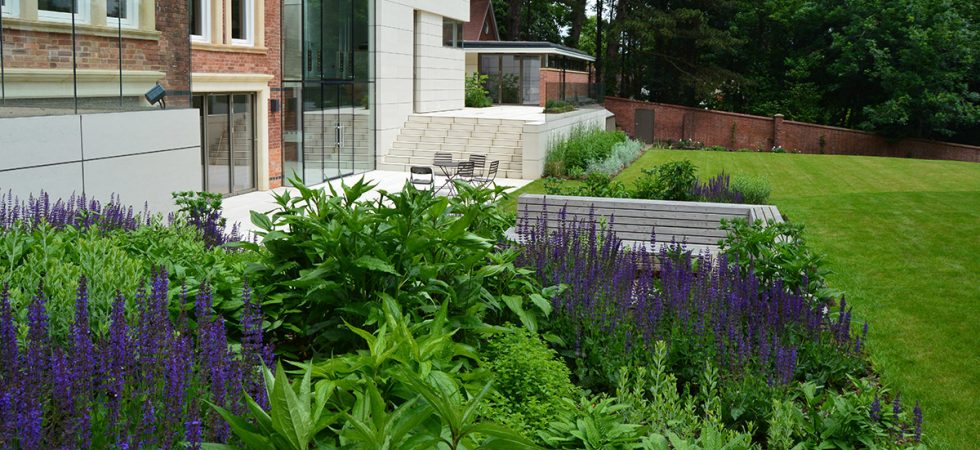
(292, 39)
(292, 139)
(243, 143)
(217, 145)
(510, 70)
(328, 118)
(531, 80)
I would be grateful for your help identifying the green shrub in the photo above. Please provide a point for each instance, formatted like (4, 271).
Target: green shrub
(558, 107)
(328, 258)
(687, 144)
(716, 148)
(581, 147)
(530, 379)
(668, 181)
(777, 252)
(622, 154)
(477, 95)
(754, 190)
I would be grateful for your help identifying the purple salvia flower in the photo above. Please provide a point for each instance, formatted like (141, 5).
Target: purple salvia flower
(192, 434)
(917, 421)
(8, 338)
(83, 366)
(875, 411)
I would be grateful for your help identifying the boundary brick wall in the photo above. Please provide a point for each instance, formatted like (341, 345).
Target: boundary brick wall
(552, 77)
(734, 131)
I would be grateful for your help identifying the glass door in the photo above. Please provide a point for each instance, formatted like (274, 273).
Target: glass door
(227, 142)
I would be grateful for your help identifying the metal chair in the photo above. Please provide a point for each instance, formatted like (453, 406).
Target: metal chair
(420, 179)
(442, 158)
(465, 171)
(479, 162)
(491, 175)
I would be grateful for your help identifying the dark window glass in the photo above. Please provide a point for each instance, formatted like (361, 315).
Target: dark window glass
(117, 9)
(447, 33)
(239, 18)
(64, 6)
(197, 27)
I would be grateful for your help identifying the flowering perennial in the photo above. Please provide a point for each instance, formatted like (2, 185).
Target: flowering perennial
(703, 304)
(78, 211)
(138, 387)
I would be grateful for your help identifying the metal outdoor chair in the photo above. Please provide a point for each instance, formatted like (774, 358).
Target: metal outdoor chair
(491, 175)
(465, 171)
(422, 176)
(442, 158)
(479, 162)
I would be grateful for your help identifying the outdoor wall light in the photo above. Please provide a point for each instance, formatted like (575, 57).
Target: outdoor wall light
(156, 95)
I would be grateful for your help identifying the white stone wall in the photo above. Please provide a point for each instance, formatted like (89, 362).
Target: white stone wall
(141, 156)
(439, 70)
(396, 63)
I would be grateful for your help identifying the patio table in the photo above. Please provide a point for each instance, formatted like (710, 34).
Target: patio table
(449, 169)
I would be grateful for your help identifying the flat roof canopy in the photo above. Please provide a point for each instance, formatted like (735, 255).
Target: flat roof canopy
(525, 48)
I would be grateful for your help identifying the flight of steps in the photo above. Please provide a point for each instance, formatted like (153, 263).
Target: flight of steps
(423, 136)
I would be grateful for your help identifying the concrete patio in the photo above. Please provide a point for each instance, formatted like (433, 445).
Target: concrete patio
(238, 209)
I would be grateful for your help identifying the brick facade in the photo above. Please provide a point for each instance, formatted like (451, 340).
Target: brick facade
(550, 83)
(735, 131)
(97, 47)
(264, 59)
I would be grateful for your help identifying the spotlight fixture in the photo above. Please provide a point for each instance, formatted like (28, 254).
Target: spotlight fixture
(156, 95)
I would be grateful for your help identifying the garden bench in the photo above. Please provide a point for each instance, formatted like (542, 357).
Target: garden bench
(698, 224)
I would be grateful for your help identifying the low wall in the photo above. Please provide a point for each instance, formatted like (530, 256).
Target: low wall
(732, 130)
(538, 136)
(141, 156)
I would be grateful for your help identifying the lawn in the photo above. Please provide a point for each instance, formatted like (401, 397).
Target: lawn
(901, 236)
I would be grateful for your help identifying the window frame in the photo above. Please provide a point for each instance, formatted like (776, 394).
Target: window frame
(11, 9)
(82, 15)
(133, 21)
(457, 33)
(205, 13)
(248, 21)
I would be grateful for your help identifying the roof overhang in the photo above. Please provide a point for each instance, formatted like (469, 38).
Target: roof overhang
(525, 48)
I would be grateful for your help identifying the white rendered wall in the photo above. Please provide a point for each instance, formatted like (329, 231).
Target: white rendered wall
(396, 64)
(141, 156)
(440, 71)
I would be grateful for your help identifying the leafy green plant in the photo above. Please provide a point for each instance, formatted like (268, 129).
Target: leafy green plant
(777, 251)
(531, 381)
(477, 95)
(754, 190)
(687, 144)
(716, 148)
(622, 154)
(669, 181)
(405, 390)
(581, 147)
(558, 107)
(327, 258)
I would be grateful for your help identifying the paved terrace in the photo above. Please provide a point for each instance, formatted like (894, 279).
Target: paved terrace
(238, 209)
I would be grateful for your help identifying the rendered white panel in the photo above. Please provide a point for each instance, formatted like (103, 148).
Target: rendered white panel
(33, 141)
(148, 177)
(59, 181)
(125, 133)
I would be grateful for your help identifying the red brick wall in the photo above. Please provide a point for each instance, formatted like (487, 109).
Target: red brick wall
(552, 77)
(215, 59)
(734, 131)
(170, 53)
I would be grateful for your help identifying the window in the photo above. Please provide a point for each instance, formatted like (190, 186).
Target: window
(241, 22)
(122, 12)
(200, 23)
(452, 33)
(9, 7)
(61, 10)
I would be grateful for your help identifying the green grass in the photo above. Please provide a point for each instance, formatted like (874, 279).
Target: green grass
(903, 239)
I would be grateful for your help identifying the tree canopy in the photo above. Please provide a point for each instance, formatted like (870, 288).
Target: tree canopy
(896, 67)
